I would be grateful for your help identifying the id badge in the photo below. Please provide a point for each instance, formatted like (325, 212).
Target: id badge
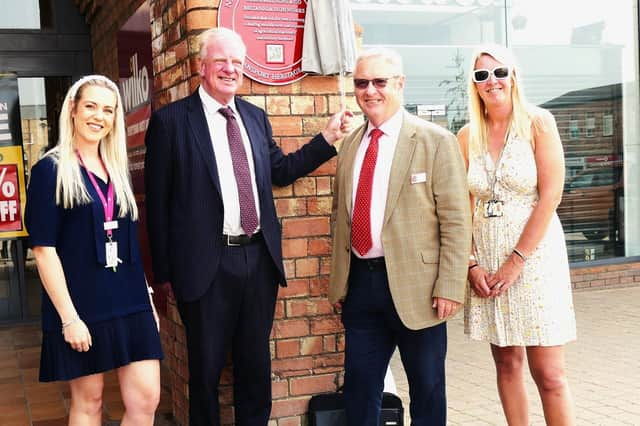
(113, 224)
(111, 249)
(493, 208)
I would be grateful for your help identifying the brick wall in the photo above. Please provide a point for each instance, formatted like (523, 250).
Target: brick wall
(606, 276)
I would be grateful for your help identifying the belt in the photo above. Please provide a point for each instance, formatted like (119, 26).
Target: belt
(372, 263)
(241, 240)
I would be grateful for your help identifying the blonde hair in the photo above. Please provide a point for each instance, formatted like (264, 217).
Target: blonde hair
(70, 187)
(523, 113)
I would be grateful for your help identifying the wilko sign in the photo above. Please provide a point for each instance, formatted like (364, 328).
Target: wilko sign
(12, 192)
(273, 32)
(134, 63)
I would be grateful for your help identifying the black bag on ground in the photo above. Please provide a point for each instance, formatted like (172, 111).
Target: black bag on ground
(327, 409)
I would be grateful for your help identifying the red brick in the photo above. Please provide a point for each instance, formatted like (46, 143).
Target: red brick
(308, 307)
(294, 288)
(313, 125)
(286, 126)
(279, 311)
(326, 325)
(290, 207)
(304, 186)
(326, 168)
(319, 286)
(319, 85)
(287, 348)
(294, 247)
(302, 105)
(291, 328)
(329, 360)
(323, 185)
(329, 343)
(312, 385)
(319, 246)
(259, 88)
(201, 19)
(289, 421)
(307, 267)
(319, 205)
(325, 265)
(282, 366)
(278, 105)
(311, 345)
(279, 389)
(321, 104)
(289, 268)
(289, 407)
(302, 227)
(282, 191)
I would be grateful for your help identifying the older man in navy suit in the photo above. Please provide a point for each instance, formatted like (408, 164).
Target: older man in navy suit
(213, 230)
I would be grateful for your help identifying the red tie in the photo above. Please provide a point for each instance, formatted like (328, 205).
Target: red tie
(361, 222)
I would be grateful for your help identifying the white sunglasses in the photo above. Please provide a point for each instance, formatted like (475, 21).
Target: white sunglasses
(482, 74)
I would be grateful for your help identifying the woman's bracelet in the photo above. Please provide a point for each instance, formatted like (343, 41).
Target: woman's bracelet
(68, 323)
(472, 266)
(519, 254)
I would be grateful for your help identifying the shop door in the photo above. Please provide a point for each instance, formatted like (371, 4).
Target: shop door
(33, 130)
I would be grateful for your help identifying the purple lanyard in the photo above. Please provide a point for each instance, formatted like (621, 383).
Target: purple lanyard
(108, 203)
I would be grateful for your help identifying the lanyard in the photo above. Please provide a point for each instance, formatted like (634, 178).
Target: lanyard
(108, 203)
(493, 179)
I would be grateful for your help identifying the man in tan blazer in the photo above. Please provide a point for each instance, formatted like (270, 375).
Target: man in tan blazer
(401, 241)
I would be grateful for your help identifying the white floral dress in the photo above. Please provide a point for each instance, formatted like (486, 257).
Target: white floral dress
(537, 310)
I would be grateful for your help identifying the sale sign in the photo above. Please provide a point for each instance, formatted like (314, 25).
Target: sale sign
(12, 192)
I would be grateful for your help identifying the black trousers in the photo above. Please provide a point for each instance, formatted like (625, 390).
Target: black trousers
(235, 314)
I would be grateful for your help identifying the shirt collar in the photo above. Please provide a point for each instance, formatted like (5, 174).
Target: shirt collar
(211, 106)
(391, 127)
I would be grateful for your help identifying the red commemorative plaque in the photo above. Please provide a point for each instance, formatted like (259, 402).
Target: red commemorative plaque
(273, 32)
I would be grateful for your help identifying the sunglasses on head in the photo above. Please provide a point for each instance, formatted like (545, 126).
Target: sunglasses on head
(378, 83)
(482, 74)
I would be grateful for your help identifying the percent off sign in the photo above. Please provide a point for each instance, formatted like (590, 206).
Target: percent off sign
(9, 198)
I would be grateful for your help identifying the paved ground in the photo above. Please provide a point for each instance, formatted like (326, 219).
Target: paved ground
(603, 367)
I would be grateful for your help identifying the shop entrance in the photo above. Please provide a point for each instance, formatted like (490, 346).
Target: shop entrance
(44, 46)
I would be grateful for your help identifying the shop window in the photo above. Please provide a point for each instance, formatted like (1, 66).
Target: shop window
(574, 129)
(579, 62)
(607, 124)
(590, 125)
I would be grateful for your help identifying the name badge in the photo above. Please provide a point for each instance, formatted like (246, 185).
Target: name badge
(493, 208)
(418, 178)
(112, 224)
(111, 250)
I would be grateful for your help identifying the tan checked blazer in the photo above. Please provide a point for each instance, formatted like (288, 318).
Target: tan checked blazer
(426, 232)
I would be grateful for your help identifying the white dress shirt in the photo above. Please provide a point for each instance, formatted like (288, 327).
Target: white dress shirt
(386, 149)
(217, 124)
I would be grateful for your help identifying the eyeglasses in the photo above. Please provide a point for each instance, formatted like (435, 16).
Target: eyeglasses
(378, 83)
(482, 74)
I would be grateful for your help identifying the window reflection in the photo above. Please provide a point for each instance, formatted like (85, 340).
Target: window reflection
(580, 62)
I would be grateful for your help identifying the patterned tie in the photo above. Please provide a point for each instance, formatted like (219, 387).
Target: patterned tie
(248, 214)
(361, 222)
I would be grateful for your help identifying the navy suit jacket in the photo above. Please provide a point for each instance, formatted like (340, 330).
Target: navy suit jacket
(183, 200)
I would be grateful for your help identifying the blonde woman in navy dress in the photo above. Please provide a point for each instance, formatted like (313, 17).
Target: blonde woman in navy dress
(81, 217)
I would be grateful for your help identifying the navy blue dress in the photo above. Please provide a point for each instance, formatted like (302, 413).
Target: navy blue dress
(114, 305)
